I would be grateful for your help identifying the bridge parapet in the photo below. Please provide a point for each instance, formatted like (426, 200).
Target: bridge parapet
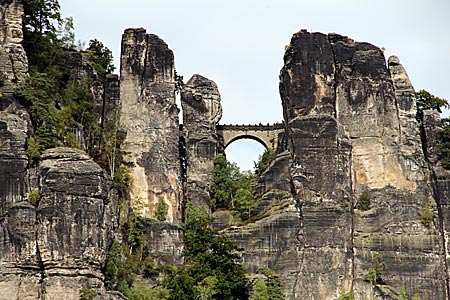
(267, 135)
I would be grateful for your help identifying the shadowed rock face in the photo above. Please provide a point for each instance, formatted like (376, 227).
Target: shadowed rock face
(350, 127)
(53, 250)
(149, 118)
(200, 100)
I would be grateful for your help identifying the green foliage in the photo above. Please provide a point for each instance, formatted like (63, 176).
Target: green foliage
(232, 189)
(444, 144)
(101, 58)
(122, 182)
(56, 112)
(364, 201)
(268, 288)
(33, 151)
(34, 197)
(416, 297)
(425, 100)
(223, 186)
(264, 161)
(426, 216)
(40, 22)
(66, 33)
(245, 202)
(136, 233)
(207, 288)
(378, 267)
(59, 104)
(211, 271)
(88, 294)
(347, 296)
(403, 294)
(161, 209)
(145, 293)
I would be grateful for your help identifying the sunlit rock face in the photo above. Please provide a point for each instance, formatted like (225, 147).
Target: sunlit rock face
(200, 100)
(350, 127)
(149, 119)
(13, 59)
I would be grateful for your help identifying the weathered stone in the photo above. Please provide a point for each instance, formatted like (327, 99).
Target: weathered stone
(166, 242)
(75, 222)
(55, 249)
(149, 118)
(200, 100)
(13, 59)
(431, 137)
(13, 158)
(350, 126)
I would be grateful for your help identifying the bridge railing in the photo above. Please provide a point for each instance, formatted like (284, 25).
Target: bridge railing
(255, 127)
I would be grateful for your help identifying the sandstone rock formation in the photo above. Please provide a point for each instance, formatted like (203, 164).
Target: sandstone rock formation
(54, 248)
(149, 118)
(13, 59)
(200, 101)
(350, 127)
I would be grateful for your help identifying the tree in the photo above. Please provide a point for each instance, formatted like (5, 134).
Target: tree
(101, 58)
(144, 293)
(364, 201)
(267, 288)
(378, 267)
(211, 270)
(264, 161)
(425, 100)
(161, 209)
(43, 46)
(223, 186)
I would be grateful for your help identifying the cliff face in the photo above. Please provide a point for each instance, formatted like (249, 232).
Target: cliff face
(350, 126)
(13, 59)
(56, 219)
(57, 245)
(200, 100)
(149, 118)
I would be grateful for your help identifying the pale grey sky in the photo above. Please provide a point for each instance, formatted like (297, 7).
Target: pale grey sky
(240, 43)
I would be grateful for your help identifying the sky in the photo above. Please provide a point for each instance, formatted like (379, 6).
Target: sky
(240, 43)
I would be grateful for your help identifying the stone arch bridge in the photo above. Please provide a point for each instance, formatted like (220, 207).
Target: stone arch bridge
(267, 135)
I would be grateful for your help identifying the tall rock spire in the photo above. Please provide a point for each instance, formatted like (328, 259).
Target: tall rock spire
(149, 118)
(200, 100)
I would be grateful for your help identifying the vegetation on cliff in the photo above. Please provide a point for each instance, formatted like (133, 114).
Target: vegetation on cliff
(60, 105)
(234, 190)
(425, 100)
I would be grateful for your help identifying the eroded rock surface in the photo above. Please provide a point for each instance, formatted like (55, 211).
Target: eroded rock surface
(13, 59)
(350, 127)
(200, 100)
(149, 118)
(58, 245)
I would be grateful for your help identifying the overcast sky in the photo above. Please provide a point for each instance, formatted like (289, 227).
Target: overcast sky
(240, 43)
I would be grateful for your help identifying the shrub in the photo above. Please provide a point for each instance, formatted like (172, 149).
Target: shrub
(364, 201)
(378, 267)
(426, 216)
(34, 197)
(161, 209)
(88, 294)
(33, 152)
(347, 296)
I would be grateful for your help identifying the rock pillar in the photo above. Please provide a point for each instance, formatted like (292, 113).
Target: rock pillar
(149, 119)
(200, 100)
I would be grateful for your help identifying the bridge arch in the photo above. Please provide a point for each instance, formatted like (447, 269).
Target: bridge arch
(244, 136)
(266, 135)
